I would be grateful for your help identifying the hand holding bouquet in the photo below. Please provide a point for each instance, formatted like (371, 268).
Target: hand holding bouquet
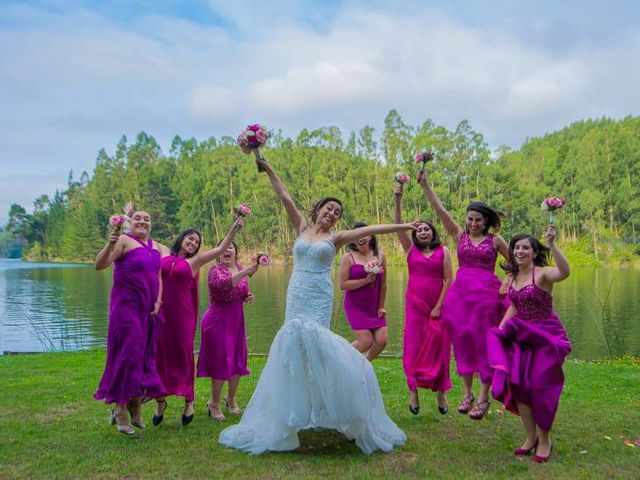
(551, 204)
(117, 223)
(423, 157)
(373, 267)
(253, 137)
(261, 259)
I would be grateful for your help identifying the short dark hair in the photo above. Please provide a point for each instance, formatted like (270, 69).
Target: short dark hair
(435, 239)
(321, 203)
(177, 245)
(491, 216)
(373, 241)
(541, 254)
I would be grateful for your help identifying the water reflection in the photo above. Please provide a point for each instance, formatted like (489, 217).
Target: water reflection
(47, 307)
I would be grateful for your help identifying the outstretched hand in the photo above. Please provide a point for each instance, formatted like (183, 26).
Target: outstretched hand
(238, 223)
(413, 225)
(422, 177)
(262, 162)
(129, 209)
(398, 190)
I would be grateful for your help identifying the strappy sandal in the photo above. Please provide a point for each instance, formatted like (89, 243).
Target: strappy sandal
(126, 429)
(465, 404)
(218, 417)
(232, 410)
(134, 407)
(479, 410)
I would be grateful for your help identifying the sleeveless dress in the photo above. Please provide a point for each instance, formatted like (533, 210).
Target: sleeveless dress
(527, 354)
(313, 378)
(223, 342)
(130, 369)
(426, 354)
(473, 305)
(177, 327)
(361, 304)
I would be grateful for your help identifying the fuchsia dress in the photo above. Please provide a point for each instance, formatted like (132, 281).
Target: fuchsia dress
(427, 349)
(177, 328)
(130, 369)
(473, 305)
(223, 343)
(361, 304)
(527, 354)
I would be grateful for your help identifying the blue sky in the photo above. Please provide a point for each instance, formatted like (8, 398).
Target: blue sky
(77, 75)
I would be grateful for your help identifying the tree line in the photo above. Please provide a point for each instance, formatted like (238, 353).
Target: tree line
(593, 164)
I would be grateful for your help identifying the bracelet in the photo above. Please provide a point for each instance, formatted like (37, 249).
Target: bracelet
(158, 302)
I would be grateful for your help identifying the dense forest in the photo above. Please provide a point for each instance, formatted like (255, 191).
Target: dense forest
(593, 164)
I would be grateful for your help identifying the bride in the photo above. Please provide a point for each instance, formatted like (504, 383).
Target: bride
(314, 378)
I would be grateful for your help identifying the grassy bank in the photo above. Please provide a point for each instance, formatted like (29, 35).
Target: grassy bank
(50, 427)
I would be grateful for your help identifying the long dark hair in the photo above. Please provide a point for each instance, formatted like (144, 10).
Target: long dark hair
(435, 239)
(541, 254)
(491, 216)
(373, 241)
(177, 245)
(321, 203)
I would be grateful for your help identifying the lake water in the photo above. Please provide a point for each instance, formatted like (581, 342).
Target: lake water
(55, 307)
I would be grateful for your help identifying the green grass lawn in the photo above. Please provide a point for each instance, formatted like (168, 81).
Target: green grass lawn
(50, 427)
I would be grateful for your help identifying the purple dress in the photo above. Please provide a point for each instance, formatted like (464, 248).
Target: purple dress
(130, 369)
(361, 304)
(473, 305)
(527, 354)
(223, 343)
(177, 328)
(427, 349)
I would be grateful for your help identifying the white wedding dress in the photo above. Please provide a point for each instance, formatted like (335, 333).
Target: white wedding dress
(313, 378)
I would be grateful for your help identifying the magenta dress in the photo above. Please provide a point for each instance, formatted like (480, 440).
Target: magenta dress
(473, 305)
(223, 343)
(427, 349)
(527, 354)
(177, 328)
(130, 369)
(361, 304)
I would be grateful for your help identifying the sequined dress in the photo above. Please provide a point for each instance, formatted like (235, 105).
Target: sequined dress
(313, 378)
(527, 354)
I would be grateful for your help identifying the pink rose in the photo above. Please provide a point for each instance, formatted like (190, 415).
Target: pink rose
(117, 220)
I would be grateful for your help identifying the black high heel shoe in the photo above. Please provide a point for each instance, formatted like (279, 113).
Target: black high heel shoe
(157, 419)
(186, 420)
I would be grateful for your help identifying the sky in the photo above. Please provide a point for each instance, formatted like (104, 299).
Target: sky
(77, 75)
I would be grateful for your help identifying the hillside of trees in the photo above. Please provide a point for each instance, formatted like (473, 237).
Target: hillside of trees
(593, 164)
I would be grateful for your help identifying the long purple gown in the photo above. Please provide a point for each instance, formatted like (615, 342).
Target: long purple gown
(130, 369)
(361, 304)
(473, 305)
(223, 343)
(177, 328)
(427, 349)
(527, 354)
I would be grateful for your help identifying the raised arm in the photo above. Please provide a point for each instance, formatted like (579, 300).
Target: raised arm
(452, 228)
(383, 287)
(202, 258)
(501, 246)
(404, 239)
(297, 219)
(111, 251)
(561, 270)
(343, 237)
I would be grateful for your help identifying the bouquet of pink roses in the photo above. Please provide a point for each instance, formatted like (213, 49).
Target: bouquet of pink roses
(424, 157)
(261, 258)
(117, 223)
(242, 210)
(551, 204)
(401, 178)
(253, 137)
(374, 267)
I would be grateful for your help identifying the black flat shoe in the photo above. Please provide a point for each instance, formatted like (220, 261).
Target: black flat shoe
(443, 410)
(186, 420)
(414, 410)
(157, 419)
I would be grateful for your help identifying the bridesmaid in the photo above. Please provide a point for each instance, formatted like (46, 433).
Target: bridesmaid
(223, 343)
(472, 304)
(528, 349)
(365, 294)
(179, 313)
(130, 375)
(426, 352)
